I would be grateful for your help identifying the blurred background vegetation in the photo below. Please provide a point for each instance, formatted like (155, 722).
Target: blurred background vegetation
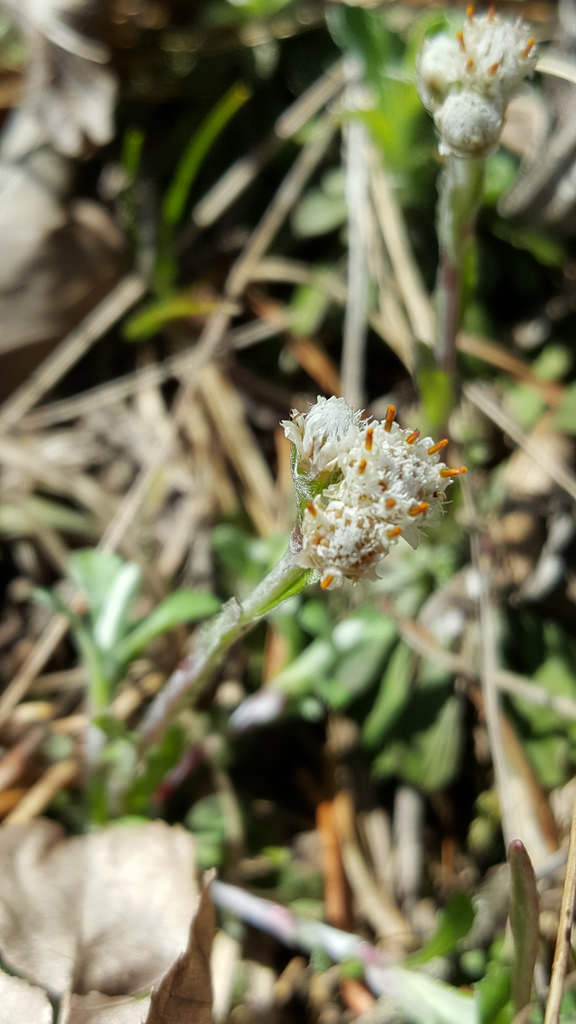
(244, 185)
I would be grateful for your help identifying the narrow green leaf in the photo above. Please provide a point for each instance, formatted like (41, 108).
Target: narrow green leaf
(197, 149)
(147, 321)
(178, 609)
(456, 920)
(524, 916)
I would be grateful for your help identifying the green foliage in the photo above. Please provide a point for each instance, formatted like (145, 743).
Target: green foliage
(455, 921)
(107, 636)
(321, 209)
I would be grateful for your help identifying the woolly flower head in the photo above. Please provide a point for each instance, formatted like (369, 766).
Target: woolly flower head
(363, 484)
(467, 81)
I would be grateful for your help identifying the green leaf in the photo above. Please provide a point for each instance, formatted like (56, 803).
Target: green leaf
(292, 587)
(318, 213)
(546, 250)
(301, 676)
(180, 608)
(492, 995)
(426, 1001)
(436, 389)
(524, 922)
(393, 693)
(456, 920)
(427, 752)
(111, 623)
(197, 149)
(307, 309)
(565, 413)
(94, 573)
(149, 320)
(362, 643)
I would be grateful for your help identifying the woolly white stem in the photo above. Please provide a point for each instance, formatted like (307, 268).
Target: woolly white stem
(215, 639)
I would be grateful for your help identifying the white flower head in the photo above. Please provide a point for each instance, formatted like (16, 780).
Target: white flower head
(467, 81)
(319, 435)
(385, 483)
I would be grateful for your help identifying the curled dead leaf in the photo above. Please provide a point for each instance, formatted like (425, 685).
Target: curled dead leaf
(109, 911)
(20, 1001)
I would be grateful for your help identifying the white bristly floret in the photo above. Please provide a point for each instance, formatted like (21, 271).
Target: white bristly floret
(386, 484)
(467, 81)
(320, 435)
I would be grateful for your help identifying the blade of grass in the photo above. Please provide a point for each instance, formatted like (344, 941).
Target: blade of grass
(197, 149)
(524, 913)
(563, 941)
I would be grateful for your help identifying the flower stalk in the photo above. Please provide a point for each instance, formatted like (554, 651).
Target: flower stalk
(214, 641)
(360, 485)
(466, 82)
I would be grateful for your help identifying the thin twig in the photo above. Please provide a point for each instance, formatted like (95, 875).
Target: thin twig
(243, 172)
(482, 398)
(355, 317)
(563, 941)
(488, 669)
(99, 320)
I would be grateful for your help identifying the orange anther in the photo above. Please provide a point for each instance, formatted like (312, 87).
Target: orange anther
(361, 466)
(390, 414)
(470, 11)
(326, 582)
(491, 12)
(469, 64)
(461, 43)
(450, 471)
(369, 439)
(395, 531)
(390, 502)
(528, 47)
(311, 508)
(417, 510)
(438, 446)
(413, 437)
(494, 67)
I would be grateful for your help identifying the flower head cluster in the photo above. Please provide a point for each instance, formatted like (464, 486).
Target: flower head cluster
(363, 484)
(467, 81)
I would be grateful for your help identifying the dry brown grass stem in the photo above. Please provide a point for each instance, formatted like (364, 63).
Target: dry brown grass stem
(405, 268)
(483, 399)
(122, 298)
(563, 950)
(243, 171)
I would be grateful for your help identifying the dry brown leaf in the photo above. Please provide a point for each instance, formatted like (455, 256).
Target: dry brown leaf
(24, 1003)
(95, 1008)
(70, 95)
(109, 911)
(185, 993)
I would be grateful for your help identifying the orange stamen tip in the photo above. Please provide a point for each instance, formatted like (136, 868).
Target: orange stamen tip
(413, 437)
(438, 446)
(326, 582)
(390, 502)
(390, 414)
(491, 12)
(417, 510)
(460, 38)
(369, 439)
(361, 466)
(450, 471)
(470, 11)
(311, 508)
(528, 47)
(469, 64)
(494, 67)
(395, 531)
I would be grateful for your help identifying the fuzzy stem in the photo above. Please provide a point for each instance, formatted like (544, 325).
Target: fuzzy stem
(215, 639)
(460, 192)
